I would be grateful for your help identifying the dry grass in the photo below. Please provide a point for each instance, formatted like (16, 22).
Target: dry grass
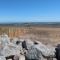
(47, 35)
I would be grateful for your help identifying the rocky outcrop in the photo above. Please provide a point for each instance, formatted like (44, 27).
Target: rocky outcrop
(35, 49)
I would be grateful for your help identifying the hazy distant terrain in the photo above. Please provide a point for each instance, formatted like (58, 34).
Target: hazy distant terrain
(44, 32)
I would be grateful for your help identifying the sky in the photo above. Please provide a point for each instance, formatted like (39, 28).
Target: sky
(29, 11)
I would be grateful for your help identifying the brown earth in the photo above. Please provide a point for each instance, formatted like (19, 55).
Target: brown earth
(47, 35)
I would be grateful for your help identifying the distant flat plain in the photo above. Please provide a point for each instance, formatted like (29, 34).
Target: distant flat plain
(47, 33)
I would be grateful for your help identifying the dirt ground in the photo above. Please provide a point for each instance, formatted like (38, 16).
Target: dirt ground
(47, 41)
(45, 34)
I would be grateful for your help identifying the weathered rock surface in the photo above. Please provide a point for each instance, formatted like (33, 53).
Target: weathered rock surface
(35, 49)
(2, 58)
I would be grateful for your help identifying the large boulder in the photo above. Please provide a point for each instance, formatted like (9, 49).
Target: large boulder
(2, 58)
(57, 53)
(29, 43)
(45, 50)
(10, 50)
(33, 53)
(16, 57)
(4, 39)
(38, 51)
